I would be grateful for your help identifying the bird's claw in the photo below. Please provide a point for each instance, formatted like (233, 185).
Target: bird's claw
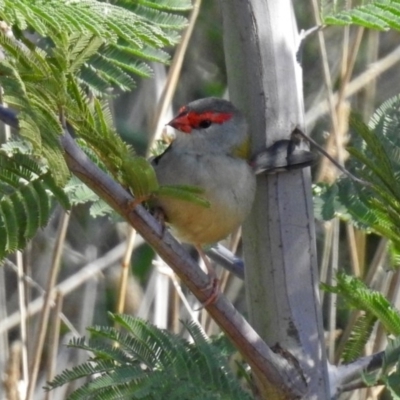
(214, 286)
(159, 214)
(283, 155)
(132, 204)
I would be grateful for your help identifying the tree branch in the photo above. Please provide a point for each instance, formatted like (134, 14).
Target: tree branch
(346, 377)
(264, 362)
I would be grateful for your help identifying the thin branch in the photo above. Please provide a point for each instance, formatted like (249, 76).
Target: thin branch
(31, 283)
(345, 376)
(22, 309)
(125, 269)
(67, 286)
(326, 71)
(350, 387)
(326, 256)
(358, 83)
(54, 341)
(174, 71)
(224, 257)
(331, 159)
(167, 271)
(263, 361)
(44, 318)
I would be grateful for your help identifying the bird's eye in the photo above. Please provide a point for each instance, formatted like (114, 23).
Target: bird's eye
(205, 123)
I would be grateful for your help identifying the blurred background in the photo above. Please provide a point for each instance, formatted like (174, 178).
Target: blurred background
(102, 258)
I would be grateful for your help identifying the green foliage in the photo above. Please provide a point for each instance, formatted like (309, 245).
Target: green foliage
(26, 192)
(375, 206)
(144, 362)
(376, 159)
(79, 193)
(375, 307)
(60, 62)
(140, 175)
(380, 14)
(359, 337)
(389, 373)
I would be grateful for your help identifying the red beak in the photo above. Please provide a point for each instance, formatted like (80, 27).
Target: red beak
(181, 123)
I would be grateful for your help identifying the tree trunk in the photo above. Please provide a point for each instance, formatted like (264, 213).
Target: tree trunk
(261, 43)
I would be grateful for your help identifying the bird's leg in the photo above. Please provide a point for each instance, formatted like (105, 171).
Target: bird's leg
(159, 214)
(136, 201)
(215, 283)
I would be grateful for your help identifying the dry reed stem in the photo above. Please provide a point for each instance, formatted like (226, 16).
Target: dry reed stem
(23, 320)
(44, 317)
(125, 270)
(54, 341)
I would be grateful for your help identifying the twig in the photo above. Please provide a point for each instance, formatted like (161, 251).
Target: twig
(263, 361)
(4, 338)
(347, 376)
(334, 162)
(174, 71)
(354, 250)
(225, 279)
(47, 304)
(69, 285)
(350, 387)
(125, 269)
(164, 102)
(172, 276)
(358, 83)
(22, 310)
(54, 340)
(161, 295)
(332, 299)
(29, 281)
(326, 256)
(379, 256)
(227, 259)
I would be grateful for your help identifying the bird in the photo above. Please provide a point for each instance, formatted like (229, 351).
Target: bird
(211, 151)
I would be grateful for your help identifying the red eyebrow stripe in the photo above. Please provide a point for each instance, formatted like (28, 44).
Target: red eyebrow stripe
(217, 118)
(186, 120)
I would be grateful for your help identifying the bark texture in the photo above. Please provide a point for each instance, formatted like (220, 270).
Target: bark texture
(265, 81)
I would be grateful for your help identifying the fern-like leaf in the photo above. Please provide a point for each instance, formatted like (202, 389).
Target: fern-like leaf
(359, 337)
(26, 193)
(149, 363)
(88, 44)
(376, 159)
(359, 296)
(380, 15)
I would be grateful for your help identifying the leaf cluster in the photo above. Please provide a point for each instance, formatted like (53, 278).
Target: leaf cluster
(27, 190)
(375, 158)
(78, 51)
(145, 362)
(60, 61)
(389, 373)
(379, 14)
(375, 307)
